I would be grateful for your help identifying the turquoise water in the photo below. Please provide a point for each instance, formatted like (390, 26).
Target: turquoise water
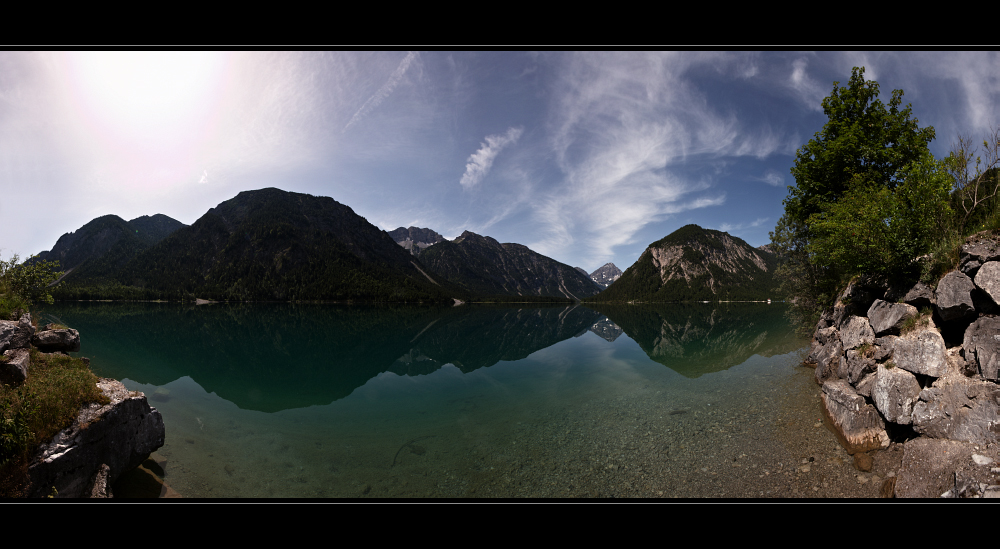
(316, 401)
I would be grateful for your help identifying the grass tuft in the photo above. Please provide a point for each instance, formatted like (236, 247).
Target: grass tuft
(32, 413)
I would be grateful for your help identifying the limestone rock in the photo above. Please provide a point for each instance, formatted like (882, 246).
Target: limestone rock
(921, 352)
(855, 332)
(821, 338)
(959, 408)
(928, 467)
(828, 361)
(14, 368)
(121, 435)
(980, 247)
(894, 393)
(859, 365)
(49, 341)
(855, 422)
(16, 335)
(981, 346)
(953, 296)
(888, 318)
(920, 296)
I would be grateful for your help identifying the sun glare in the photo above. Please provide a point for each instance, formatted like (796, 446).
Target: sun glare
(150, 115)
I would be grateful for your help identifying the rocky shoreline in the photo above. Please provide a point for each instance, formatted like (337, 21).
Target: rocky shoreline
(104, 441)
(916, 369)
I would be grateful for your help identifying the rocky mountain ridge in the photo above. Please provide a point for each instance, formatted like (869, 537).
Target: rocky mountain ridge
(484, 266)
(415, 239)
(696, 264)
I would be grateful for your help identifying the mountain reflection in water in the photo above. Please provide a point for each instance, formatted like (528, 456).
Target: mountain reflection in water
(271, 357)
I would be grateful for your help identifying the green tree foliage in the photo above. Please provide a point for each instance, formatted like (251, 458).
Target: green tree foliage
(868, 196)
(22, 284)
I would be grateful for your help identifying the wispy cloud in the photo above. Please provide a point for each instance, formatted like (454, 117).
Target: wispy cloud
(809, 91)
(384, 91)
(772, 177)
(480, 162)
(736, 228)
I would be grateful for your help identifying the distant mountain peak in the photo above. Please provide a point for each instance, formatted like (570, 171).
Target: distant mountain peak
(605, 275)
(415, 239)
(696, 264)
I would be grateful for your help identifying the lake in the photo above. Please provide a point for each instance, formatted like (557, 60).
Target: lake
(393, 401)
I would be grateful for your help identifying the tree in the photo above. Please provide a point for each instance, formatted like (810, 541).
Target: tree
(21, 284)
(857, 185)
(975, 178)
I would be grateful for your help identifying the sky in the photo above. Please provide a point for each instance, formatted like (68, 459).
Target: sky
(586, 157)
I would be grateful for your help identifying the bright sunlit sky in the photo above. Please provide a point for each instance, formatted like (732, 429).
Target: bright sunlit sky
(584, 157)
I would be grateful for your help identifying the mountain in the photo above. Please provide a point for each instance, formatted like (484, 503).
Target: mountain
(415, 239)
(271, 244)
(696, 264)
(152, 229)
(606, 275)
(483, 266)
(103, 245)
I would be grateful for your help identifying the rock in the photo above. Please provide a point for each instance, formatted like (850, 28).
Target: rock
(821, 338)
(99, 486)
(980, 247)
(863, 462)
(919, 296)
(928, 467)
(894, 393)
(855, 422)
(120, 434)
(888, 318)
(959, 408)
(855, 332)
(16, 335)
(981, 346)
(953, 296)
(921, 352)
(859, 363)
(828, 362)
(67, 340)
(14, 368)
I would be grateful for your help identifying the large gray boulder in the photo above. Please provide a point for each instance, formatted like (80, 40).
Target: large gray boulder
(821, 338)
(120, 435)
(888, 318)
(953, 296)
(921, 352)
(959, 408)
(14, 366)
(16, 335)
(855, 332)
(856, 423)
(920, 296)
(51, 341)
(894, 393)
(981, 346)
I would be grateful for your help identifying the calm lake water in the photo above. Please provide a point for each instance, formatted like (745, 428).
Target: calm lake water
(316, 401)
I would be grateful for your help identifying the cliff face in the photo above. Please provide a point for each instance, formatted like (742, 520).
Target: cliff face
(895, 362)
